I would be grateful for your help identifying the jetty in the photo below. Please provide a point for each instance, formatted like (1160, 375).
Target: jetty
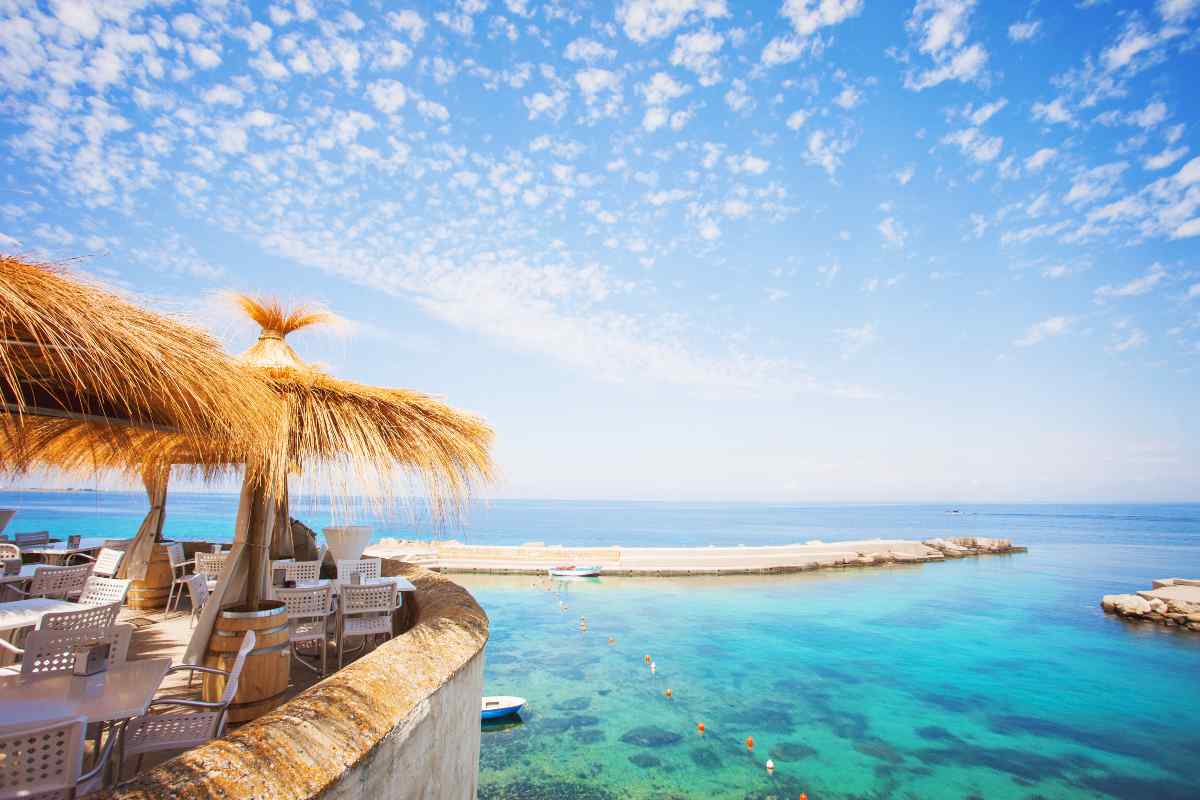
(1173, 602)
(535, 558)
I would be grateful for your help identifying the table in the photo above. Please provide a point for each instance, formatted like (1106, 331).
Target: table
(120, 692)
(61, 552)
(27, 613)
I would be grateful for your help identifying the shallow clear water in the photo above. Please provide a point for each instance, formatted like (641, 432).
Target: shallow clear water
(997, 677)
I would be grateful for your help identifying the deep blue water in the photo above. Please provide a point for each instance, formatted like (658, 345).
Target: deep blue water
(997, 677)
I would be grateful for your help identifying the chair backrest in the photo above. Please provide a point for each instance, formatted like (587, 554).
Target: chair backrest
(107, 562)
(367, 567)
(235, 672)
(102, 591)
(43, 761)
(32, 538)
(48, 652)
(197, 590)
(9, 550)
(85, 617)
(210, 564)
(359, 600)
(307, 603)
(303, 571)
(118, 544)
(175, 554)
(59, 581)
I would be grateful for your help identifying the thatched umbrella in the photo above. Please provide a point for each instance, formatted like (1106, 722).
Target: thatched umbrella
(347, 438)
(102, 367)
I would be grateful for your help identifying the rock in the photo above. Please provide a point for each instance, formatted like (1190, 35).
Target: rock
(1193, 617)
(1132, 605)
(1170, 623)
(1109, 602)
(650, 736)
(1158, 606)
(1162, 583)
(644, 760)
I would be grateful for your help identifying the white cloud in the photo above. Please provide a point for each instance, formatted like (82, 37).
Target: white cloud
(825, 150)
(1094, 184)
(903, 176)
(980, 115)
(940, 29)
(204, 57)
(698, 52)
(848, 98)
(1135, 287)
(1055, 111)
(1040, 331)
(655, 118)
(854, 340)
(1041, 158)
(796, 119)
(1164, 159)
(78, 15)
(231, 139)
(1024, 31)
(408, 22)
(747, 163)
(387, 95)
(550, 105)
(1177, 10)
(432, 111)
(595, 81)
(708, 230)
(809, 16)
(643, 20)
(223, 95)
(975, 144)
(188, 25)
(829, 272)
(786, 49)
(1135, 338)
(588, 51)
(661, 89)
(893, 232)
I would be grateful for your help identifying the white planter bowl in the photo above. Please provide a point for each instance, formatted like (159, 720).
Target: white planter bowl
(347, 542)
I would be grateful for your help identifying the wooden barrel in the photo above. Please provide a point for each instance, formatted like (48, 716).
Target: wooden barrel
(265, 674)
(151, 591)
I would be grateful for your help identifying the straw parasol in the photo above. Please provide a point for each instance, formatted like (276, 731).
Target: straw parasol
(347, 437)
(124, 387)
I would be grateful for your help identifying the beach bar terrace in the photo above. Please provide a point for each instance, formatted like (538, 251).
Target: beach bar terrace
(129, 651)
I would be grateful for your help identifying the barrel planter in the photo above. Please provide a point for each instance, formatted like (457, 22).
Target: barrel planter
(265, 674)
(151, 591)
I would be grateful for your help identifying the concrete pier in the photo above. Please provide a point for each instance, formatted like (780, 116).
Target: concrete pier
(534, 558)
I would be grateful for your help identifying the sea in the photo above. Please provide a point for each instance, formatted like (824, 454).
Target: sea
(995, 677)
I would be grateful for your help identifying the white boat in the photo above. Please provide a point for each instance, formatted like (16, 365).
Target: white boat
(501, 706)
(572, 571)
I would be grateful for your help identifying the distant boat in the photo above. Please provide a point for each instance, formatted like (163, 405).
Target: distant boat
(500, 706)
(572, 571)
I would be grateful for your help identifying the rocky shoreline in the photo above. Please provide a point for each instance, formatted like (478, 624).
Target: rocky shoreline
(1173, 602)
(535, 557)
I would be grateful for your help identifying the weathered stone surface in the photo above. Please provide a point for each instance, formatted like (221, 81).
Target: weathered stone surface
(380, 727)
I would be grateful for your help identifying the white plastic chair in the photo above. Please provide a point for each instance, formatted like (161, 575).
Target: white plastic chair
(210, 565)
(152, 733)
(364, 611)
(87, 617)
(303, 571)
(46, 762)
(9, 550)
(102, 591)
(366, 567)
(198, 592)
(49, 651)
(179, 574)
(56, 582)
(309, 611)
(105, 563)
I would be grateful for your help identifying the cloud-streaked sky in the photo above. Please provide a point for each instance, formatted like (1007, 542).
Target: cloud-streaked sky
(809, 250)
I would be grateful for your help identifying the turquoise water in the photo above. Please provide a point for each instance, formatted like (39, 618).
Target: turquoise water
(996, 677)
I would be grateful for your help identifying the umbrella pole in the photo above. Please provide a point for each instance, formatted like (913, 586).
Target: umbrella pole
(258, 545)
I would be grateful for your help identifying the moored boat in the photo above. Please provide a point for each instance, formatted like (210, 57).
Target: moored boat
(501, 706)
(572, 571)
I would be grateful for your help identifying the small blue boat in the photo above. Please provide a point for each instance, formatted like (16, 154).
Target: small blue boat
(500, 706)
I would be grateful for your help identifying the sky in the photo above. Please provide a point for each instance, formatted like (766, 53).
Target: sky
(809, 250)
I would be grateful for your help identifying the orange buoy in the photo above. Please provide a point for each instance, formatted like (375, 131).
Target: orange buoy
(612, 640)
(646, 659)
(749, 742)
(803, 796)
(700, 727)
(668, 692)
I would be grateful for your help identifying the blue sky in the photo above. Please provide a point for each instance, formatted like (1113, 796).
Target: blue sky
(685, 249)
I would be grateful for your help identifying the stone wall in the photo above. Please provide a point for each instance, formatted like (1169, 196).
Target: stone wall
(401, 722)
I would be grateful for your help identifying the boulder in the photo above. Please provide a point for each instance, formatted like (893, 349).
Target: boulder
(1132, 605)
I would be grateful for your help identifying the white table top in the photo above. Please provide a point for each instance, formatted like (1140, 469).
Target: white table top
(61, 549)
(122, 691)
(27, 613)
(27, 572)
(402, 584)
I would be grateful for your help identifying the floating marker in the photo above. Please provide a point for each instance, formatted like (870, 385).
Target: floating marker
(749, 742)
(770, 765)
(700, 728)
(668, 692)
(646, 659)
(653, 667)
(612, 640)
